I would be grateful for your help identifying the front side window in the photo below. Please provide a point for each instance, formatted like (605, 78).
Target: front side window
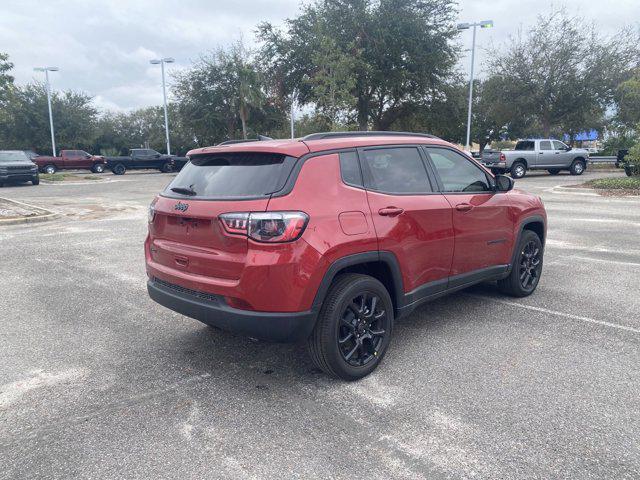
(559, 145)
(458, 173)
(395, 170)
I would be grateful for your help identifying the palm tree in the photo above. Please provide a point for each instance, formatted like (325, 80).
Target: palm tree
(247, 84)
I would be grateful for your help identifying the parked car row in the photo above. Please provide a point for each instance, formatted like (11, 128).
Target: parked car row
(138, 159)
(26, 166)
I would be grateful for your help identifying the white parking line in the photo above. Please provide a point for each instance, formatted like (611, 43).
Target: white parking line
(559, 314)
(604, 260)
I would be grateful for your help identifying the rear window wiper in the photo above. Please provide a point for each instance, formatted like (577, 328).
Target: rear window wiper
(184, 190)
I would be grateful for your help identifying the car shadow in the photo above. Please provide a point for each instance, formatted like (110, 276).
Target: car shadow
(267, 365)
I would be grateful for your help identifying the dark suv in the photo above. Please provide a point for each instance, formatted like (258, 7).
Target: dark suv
(16, 166)
(330, 238)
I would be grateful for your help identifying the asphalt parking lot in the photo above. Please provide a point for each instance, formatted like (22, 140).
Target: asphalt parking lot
(97, 381)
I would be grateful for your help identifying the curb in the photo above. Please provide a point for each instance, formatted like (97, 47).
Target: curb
(43, 214)
(82, 182)
(575, 190)
(592, 192)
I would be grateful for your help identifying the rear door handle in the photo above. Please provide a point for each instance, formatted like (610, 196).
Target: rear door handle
(464, 207)
(390, 211)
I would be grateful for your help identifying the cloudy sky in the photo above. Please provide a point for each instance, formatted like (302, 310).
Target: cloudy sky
(103, 47)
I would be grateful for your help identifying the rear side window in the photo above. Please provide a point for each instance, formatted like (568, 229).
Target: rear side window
(458, 173)
(232, 175)
(350, 169)
(525, 145)
(545, 145)
(395, 170)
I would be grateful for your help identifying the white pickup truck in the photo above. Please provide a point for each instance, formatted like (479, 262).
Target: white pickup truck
(537, 154)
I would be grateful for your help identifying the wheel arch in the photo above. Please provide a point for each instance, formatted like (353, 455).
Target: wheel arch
(534, 223)
(382, 266)
(521, 160)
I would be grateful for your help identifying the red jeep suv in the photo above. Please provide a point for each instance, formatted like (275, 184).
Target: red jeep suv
(332, 237)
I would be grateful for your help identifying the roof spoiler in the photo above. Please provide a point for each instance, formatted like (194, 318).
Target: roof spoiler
(261, 138)
(327, 135)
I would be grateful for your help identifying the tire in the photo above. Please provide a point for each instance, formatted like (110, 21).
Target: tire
(344, 327)
(554, 171)
(518, 170)
(35, 180)
(98, 168)
(577, 167)
(166, 168)
(50, 169)
(119, 169)
(529, 259)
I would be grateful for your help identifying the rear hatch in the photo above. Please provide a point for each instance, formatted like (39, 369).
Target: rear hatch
(186, 234)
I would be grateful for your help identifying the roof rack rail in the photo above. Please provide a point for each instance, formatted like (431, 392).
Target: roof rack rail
(261, 138)
(325, 135)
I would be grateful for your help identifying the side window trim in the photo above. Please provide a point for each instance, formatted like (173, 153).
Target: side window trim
(490, 179)
(365, 175)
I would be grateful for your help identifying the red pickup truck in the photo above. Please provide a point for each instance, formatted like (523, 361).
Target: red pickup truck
(71, 160)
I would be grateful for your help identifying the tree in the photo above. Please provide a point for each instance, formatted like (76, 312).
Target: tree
(223, 94)
(6, 80)
(372, 60)
(627, 98)
(561, 76)
(25, 123)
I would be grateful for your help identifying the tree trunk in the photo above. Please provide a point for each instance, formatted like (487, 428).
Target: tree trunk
(231, 128)
(363, 114)
(546, 128)
(244, 126)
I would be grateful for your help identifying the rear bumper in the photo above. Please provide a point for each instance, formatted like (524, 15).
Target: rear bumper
(501, 165)
(213, 310)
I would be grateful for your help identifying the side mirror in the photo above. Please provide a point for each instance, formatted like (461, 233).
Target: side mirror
(504, 183)
(568, 148)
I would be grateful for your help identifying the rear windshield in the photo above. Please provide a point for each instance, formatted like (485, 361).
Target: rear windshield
(231, 175)
(6, 157)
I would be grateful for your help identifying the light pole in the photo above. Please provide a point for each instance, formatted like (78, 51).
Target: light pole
(466, 26)
(162, 61)
(293, 128)
(46, 71)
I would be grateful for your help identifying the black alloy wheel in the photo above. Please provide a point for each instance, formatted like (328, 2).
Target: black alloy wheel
(526, 271)
(530, 265)
(354, 327)
(363, 326)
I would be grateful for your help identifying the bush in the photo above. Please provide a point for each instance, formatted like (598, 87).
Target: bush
(617, 183)
(632, 161)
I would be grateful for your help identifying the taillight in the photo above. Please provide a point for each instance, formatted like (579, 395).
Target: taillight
(152, 210)
(269, 227)
(503, 157)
